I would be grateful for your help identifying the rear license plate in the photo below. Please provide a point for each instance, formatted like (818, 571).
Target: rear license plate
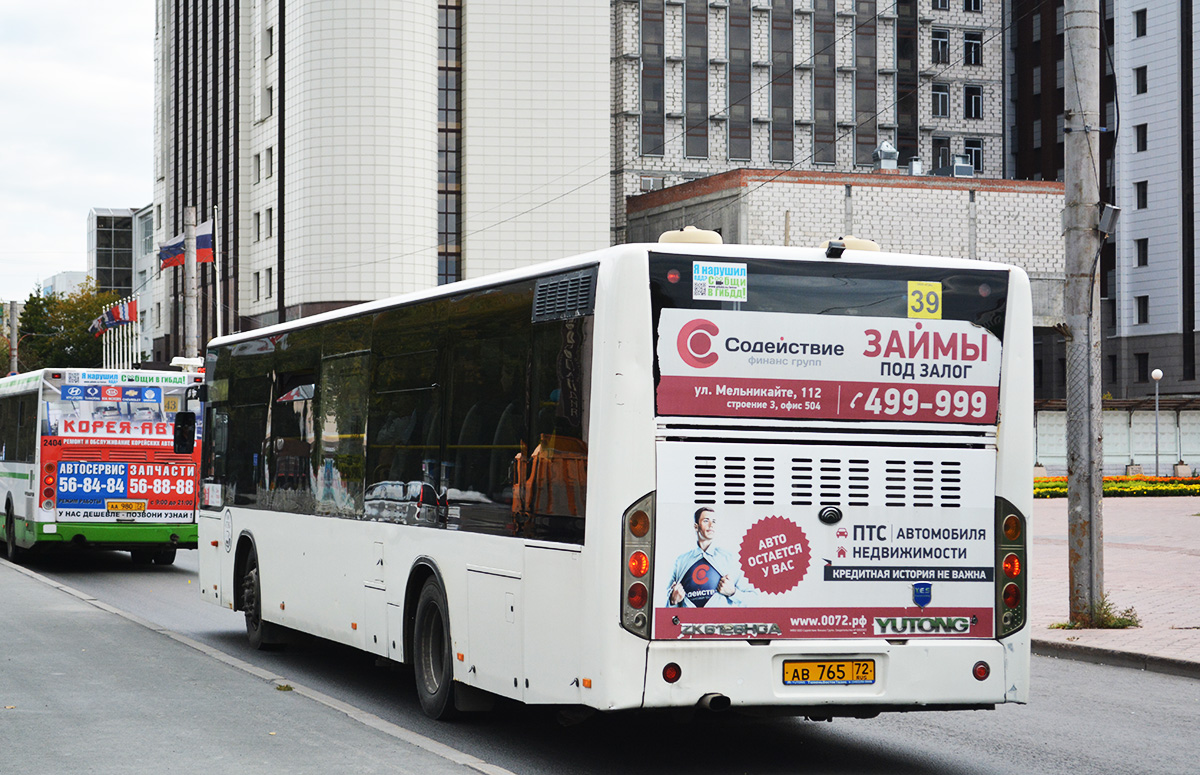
(125, 505)
(823, 671)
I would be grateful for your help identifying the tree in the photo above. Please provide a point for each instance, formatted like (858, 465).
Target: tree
(54, 329)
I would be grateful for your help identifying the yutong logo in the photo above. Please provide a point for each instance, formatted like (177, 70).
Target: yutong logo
(737, 630)
(922, 625)
(695, 344)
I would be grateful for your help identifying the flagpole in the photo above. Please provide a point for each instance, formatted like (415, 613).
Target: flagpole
(217, 270)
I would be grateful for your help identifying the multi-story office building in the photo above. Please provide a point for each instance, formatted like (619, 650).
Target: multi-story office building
(1152, 287)
(63, 283)
(1147, 167)
(704, 87)
(110, 249)
(354, 150)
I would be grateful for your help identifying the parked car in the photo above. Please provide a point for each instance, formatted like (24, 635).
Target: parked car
(408, 503)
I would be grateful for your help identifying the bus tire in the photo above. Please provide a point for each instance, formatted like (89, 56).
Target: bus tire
(13, 552)
(433, 665)
(164, 557)
(141, 556)
(261, 634)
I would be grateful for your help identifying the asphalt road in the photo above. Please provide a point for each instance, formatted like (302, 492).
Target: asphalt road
(1082, 718)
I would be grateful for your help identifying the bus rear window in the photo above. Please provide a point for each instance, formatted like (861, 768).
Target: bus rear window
(757, 338)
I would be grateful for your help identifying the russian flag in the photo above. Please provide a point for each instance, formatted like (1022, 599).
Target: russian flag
(171, 254)
(204, 243)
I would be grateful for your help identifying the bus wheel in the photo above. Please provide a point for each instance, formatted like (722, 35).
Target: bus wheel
(432, 662)
(12, 551)
(164, 557)
(141, 556)
(262, 635)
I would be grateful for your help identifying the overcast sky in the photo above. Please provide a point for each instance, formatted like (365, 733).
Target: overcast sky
(76, 128)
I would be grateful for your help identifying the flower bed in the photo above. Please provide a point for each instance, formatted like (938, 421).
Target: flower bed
(1121, 486)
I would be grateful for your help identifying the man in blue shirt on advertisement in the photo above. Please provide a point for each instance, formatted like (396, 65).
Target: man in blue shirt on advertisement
(707, 575)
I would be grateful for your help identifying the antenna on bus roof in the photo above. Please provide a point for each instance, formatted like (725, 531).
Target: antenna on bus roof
(835, 248)
(692, 234)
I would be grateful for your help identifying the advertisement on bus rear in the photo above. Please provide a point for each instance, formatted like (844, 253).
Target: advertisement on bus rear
(824, 540)
(749, 544)
(108, 448)
(744, 364)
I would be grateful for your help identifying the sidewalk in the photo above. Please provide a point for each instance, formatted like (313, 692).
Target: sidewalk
(1151, 562)
(136, 698)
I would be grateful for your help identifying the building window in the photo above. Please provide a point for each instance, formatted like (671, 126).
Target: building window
(1037, 133)
(257, 226)
(973, 47)
(270, 221)
(941, 5)
(1141, 194)
(257, 167)
(1113, 372)
(941, 47)
(1037, 79)
(448, 268)
(739, 77)
(268, 283)
(270, 161)
(449, 203)
(973, 146)
(654, 113)
(1139, 79)
(972, 102)
(973, 6)
(1142, 248)
(1143, 366)
(269, 42)
(908, 106)
(257, 286)
(449, 142)
(157, 314)
(941, 100)
(1139, 133)
(1143, 309)
(824, 82)
(783, 128)
(269, 100)
(695, 79)
(1035, 21)
(1139, 23)
(866, 131)
(941, 152)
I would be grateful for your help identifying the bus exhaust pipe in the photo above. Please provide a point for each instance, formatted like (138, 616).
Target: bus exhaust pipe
(714, 702)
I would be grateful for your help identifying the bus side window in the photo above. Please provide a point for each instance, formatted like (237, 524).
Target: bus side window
(550, 484)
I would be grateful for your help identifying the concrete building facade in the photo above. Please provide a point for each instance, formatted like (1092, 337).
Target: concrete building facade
(354, 150)
(705, 87)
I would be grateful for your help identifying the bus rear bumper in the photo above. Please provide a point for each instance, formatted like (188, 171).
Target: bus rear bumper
(915, 675)
(121, 536)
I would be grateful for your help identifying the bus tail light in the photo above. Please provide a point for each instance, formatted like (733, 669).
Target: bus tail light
(672, 672)
(1012, 574)
(637, 574)
(981, 671)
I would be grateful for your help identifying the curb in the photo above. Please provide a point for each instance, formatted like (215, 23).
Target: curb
(1114, 658)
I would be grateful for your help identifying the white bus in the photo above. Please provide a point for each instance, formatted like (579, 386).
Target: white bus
(656, 475)
(88, 459)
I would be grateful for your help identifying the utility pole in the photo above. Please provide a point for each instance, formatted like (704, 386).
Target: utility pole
(1081, 170)
(190, 332)
(13, 340)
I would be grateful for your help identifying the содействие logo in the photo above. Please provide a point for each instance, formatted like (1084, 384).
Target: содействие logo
(695, 343)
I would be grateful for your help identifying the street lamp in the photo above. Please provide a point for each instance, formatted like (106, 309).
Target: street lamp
(1156, 375)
